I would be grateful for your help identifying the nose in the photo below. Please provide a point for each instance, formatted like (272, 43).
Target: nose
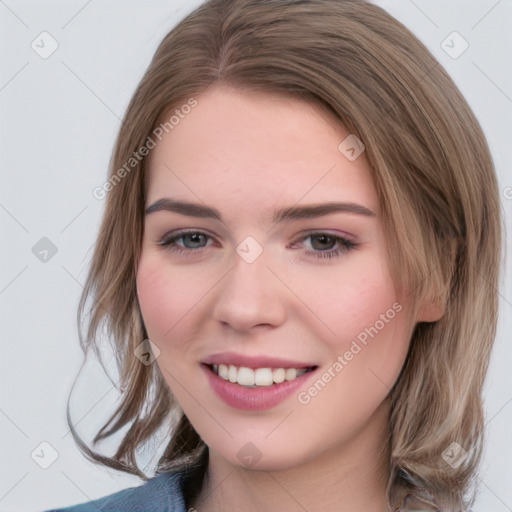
(250, 296)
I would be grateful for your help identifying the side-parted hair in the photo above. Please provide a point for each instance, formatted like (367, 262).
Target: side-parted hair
(438, 195)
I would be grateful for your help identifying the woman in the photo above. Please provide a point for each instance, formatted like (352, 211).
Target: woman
(302, 216)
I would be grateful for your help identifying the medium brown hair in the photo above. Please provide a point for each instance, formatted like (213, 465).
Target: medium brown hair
(439, 201)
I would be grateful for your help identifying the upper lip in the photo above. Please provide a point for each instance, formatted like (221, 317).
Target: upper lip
(231, 358)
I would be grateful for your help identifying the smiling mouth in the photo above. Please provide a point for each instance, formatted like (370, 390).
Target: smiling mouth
(257, 377)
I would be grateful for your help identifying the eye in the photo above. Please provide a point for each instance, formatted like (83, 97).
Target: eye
(327, 245)
(191, 241)
(322, 245)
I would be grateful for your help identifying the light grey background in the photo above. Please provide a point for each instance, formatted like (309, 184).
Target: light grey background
(58, 118)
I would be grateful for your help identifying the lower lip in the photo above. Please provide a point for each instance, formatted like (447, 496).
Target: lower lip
(253, 399)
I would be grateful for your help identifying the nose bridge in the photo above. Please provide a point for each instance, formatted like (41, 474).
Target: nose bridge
(249, 269)
(247, 274)
(249, 294)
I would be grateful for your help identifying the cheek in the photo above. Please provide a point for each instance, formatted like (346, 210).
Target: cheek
(167, 298)
(158, 304)
(347, 298)
(364, 326)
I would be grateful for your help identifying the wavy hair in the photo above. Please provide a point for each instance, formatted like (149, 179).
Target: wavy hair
(435, 180)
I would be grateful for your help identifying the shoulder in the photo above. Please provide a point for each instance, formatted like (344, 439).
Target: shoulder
(162, 493)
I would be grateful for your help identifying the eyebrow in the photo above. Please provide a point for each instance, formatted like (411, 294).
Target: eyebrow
(282, 215)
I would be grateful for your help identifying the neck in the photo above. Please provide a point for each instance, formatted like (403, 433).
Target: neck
(351, 476)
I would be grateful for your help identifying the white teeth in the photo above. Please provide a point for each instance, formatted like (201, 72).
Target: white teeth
(223, 371)
(232, 373)
(290, 373)
(259, 377)
(278, 375)
(245, 376)
(263, 377)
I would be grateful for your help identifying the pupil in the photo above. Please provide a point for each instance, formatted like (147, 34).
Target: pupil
(323, 240)
(194, 238)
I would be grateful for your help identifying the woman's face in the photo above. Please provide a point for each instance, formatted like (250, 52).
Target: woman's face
(263, 260)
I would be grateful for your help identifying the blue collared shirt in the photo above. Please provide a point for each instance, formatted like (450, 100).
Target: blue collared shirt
(162, 493)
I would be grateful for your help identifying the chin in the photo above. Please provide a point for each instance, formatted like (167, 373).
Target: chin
(260, 456)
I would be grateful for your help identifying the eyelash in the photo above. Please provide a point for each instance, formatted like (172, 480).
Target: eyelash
(169, 243)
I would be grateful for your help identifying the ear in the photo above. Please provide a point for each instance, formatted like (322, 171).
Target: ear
(430, 312)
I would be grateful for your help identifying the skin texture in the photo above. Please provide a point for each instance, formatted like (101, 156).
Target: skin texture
(246, 154)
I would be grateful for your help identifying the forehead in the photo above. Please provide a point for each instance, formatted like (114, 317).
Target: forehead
(257, 150)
